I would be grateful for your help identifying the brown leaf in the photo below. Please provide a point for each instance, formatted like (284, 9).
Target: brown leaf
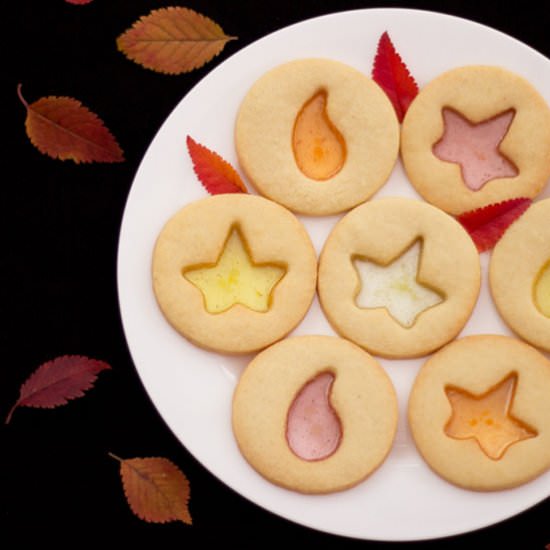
(55, 382)
(173, 40)
(216, 174)
(156, 489)
(63, 128)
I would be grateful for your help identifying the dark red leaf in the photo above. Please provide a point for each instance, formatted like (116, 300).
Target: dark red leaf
(487, 225)
(393, 76)
(216, 175)
(57, 381)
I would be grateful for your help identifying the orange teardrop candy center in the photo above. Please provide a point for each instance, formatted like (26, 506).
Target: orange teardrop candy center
(318, 146)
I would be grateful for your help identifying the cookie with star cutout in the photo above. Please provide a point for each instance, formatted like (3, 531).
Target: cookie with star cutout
(480, 415)
(399, 277)
(234, 273)
(474, 136)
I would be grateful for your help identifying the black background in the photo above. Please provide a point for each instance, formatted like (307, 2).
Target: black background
(60, 224)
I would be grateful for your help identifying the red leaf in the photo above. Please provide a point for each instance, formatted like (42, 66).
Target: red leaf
(394, 78)
(78, 2)
(57, 381)
(487, 225)
(156, 489)
(216, 175)
(63, 128)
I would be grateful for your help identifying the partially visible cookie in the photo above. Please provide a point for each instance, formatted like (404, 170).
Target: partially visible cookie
(519, 275)
(480, 415)
(474, 102)
(399, 277)
(234, 273)
(361, 396)
(334, 103)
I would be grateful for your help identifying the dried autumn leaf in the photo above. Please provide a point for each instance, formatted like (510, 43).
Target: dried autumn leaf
(63, 128)
(216, 175)
(156, 489)
(393, 76)
(173, 40)
(487, 225)
(57, 381)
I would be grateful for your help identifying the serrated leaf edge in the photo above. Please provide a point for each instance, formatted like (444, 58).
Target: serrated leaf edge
(148, 480)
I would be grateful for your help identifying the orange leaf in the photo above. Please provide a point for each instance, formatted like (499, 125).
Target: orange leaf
(216, 175)
(392, 75)
(63, 128)
(156, 489)
(173, 40)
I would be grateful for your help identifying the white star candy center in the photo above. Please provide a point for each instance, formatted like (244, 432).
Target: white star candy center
(396, 287)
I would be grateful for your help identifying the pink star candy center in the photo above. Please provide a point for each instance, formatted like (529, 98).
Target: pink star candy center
(475, 147)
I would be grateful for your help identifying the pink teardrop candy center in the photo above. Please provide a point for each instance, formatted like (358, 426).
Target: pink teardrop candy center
(313, 427)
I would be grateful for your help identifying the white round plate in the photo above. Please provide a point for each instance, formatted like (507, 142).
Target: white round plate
(192, 388)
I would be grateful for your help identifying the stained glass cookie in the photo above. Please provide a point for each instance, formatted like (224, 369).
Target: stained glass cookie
(519, 275)
(399, 277)
(314, 414)
(480, 415)
(234, 273)
(476, 135)
(317, 136)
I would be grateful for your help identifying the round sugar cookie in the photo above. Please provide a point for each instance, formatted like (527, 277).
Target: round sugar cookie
(479, 412)
(357, 109)
(399, 277)
(479, 95)
(234, 272)
(519, 275)
(361, 395)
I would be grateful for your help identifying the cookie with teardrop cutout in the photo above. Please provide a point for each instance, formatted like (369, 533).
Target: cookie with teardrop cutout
(317, 136)
(314, 414)
(474, 136)
(519, 275)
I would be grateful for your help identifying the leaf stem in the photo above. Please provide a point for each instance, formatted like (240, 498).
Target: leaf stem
(112, 455)
(8, 418)
(21, 98)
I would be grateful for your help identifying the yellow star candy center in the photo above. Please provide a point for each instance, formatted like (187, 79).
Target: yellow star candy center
(542, 290)
(235, 278)
(487, 418)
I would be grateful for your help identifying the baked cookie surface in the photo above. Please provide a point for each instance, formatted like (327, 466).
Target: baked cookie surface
(361, 395)
(519, 275)
(356, 113)
(462, 105)
(234, 273)
(418, 303)
(480, 414)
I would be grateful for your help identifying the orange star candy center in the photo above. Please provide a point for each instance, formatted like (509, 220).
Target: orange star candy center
(487, 417)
